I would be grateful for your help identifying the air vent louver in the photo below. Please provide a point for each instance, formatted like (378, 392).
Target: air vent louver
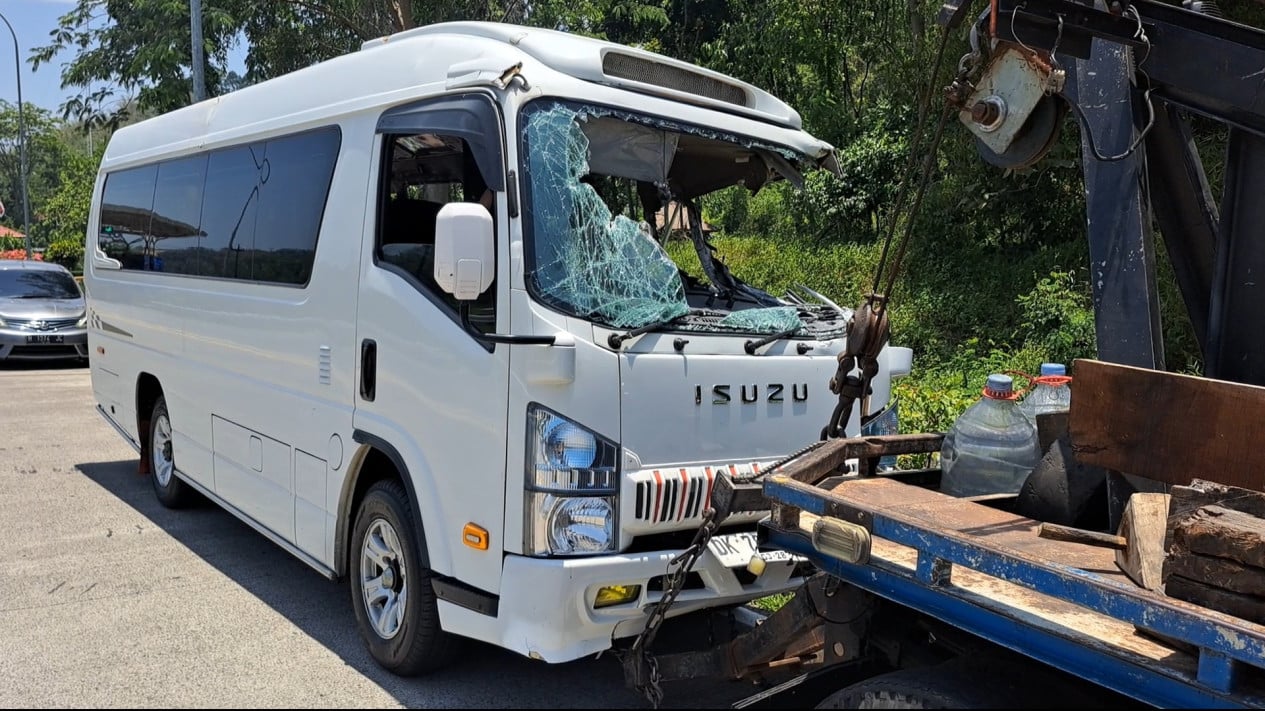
(624, 66)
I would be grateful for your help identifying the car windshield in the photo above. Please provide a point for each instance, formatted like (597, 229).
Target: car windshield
(607, 189)
(37, 284)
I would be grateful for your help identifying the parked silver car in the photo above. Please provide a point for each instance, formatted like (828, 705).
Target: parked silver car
(42, 312)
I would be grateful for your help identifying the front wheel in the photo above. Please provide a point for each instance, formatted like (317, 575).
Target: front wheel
(171, 491)
(396, 607)
(957, 684)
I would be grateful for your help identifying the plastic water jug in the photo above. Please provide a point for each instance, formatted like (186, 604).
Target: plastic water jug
(992, 447)
(1051, 394)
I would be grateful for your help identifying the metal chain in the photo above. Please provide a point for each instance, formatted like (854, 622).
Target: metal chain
(675, 583)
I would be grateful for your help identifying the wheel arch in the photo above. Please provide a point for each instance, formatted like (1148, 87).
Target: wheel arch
(148, 390)
(374, 460)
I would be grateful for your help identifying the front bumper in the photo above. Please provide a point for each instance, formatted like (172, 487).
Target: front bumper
(19, 344)
(546, 604)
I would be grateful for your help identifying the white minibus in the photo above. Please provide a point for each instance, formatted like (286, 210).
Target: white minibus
(411, 313)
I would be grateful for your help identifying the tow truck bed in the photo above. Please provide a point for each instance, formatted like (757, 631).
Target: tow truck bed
(1066, 604)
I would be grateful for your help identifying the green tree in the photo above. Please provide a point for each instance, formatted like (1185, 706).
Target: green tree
(67, 208)
(46, 152)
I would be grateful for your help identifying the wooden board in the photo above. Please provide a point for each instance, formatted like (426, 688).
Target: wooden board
(1217, 572)
(1185, 500)
(1001, 528)
(1223, 533)
(1249, 607)
(1167, 427)
(1143, 526)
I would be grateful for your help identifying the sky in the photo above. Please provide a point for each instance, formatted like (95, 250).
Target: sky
(32, 21)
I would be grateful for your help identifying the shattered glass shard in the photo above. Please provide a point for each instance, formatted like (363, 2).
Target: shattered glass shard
(778, 319)
(597, 264)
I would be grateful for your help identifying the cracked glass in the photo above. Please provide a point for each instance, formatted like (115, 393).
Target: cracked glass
(606, 188)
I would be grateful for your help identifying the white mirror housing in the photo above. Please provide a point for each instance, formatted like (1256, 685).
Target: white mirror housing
(465, 250)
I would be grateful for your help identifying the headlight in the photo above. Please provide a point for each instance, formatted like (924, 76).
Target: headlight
(573, 487)
(3, 323)
(886, 422)
(82, 322)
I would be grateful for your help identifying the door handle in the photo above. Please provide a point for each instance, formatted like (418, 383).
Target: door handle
(368, 369)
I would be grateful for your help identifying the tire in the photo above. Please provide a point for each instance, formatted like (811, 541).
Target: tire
(172, 492)
(944, 686)
(385, 567)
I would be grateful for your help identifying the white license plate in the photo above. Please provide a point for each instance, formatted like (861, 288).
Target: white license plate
(45, 339)
(735, 550)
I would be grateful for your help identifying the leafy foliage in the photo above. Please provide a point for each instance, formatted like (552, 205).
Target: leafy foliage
(46, 151)
(66, 252)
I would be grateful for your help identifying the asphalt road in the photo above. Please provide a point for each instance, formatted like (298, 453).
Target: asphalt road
(107, 599)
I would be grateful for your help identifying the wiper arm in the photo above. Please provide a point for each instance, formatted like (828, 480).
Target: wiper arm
(616, 340)
(752, 346)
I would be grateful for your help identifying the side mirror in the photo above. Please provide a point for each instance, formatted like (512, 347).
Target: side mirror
(465, 250)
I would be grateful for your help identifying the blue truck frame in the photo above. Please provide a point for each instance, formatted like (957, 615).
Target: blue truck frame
(1224, 643)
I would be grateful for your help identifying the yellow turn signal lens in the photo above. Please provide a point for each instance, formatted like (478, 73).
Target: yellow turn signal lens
(616, 595)
(475, 536)
(843, 540)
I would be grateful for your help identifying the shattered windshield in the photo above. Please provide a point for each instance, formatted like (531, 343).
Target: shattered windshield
(606, 189)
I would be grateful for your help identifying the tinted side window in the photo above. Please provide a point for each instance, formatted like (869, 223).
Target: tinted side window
(177, 215)
(295, 184)
(230, 203)
(248, 212)
(127, 204)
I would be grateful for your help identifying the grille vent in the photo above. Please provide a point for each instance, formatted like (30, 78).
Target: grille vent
(624, 66)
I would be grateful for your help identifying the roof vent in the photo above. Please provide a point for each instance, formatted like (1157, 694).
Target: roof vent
(646, 71)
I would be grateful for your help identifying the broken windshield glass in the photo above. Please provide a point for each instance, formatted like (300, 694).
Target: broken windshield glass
(586, 258)
(776, 319)
(594, 175)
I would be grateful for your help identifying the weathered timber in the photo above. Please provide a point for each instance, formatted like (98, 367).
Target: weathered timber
(1216, 572)
(1223, 533)
(1249, 607)
(1165, 426)
(1185, 500)
(1143, 527)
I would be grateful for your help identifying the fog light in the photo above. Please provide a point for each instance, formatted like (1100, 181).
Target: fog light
(846, 541)
(616, 595)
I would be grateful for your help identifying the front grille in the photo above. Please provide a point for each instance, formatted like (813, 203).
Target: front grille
(44, 351)
(626, 66)
(40, 324)
(681, 494)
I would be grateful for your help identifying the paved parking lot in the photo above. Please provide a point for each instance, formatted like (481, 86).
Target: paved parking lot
(109, 600)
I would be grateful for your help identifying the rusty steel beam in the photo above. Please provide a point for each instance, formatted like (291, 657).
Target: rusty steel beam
(811, 467)
(793, 635)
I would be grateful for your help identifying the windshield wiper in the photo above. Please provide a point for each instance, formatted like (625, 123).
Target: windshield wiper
(616, 340)
(752, 346)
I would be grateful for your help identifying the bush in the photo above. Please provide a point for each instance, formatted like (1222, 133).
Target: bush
(1058, 318)
(66, 252)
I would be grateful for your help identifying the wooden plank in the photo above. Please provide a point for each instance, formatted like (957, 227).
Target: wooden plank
(1249, 607)
(1217, 572)
(1223, 533)
(1167, 427)
(1143, 527)
(1185, 500)
(998, 527)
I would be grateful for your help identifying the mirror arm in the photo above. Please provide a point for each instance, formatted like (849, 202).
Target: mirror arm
(500, 338)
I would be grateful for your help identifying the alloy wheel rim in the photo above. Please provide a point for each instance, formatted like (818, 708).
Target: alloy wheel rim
(383, 577)
(163, 461)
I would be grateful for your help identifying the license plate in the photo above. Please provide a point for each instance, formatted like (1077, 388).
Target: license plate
(45, 339)
(735, 550)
